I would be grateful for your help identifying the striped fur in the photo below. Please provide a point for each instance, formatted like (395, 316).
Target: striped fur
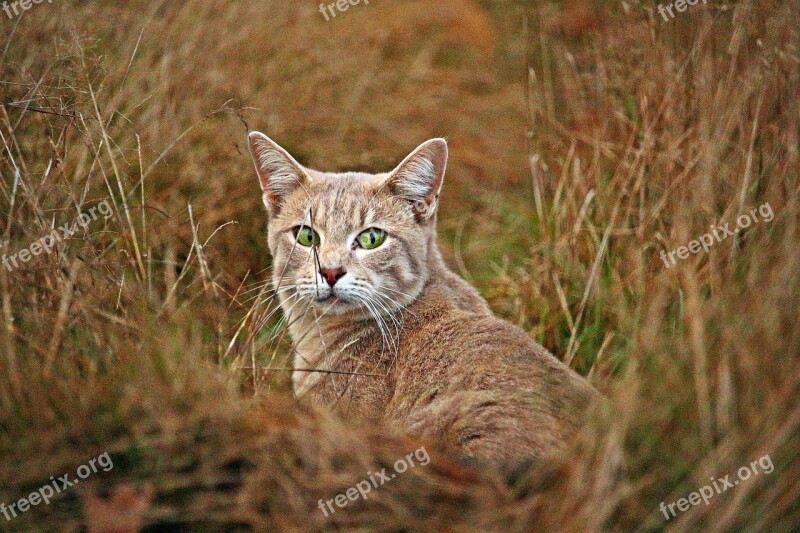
(412, 345)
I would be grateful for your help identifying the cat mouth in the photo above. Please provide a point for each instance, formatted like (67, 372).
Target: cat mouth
(332, 300)
(335, 304)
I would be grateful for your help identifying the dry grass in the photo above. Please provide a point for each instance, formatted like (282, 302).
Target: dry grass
(134, 337)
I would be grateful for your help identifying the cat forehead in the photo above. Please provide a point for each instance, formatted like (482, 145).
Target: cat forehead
(345, 187)
(345, 180)
(345, 199)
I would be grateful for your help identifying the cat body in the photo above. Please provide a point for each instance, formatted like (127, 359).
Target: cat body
(386, 333)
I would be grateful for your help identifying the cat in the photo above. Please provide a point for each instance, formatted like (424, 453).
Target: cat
(385, 333)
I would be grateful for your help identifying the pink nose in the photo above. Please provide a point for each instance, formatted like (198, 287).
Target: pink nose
(332, 275)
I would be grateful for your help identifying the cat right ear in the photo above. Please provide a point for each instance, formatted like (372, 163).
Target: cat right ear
(280, 175)
(418, 179)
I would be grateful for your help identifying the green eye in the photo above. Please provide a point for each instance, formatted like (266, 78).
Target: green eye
(371, 238)
(307, 236)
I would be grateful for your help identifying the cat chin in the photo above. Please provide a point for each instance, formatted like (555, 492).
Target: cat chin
(336, 306)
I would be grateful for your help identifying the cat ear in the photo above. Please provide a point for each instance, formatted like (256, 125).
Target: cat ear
(418, 179)
(278, 171)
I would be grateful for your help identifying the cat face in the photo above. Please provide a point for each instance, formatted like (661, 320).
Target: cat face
(353, 242)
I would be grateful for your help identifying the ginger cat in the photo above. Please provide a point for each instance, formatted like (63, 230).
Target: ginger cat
(385, 332)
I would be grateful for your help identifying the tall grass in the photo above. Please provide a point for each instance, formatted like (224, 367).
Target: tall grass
(152, 335)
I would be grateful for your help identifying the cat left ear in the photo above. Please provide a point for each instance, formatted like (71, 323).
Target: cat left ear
(278, 172)
(418, 179)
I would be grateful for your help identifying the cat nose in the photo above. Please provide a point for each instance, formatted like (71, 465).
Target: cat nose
(332, 275)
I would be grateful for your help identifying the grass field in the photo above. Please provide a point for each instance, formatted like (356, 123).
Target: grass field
(586, 138)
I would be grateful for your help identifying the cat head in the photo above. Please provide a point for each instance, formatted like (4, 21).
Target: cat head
(350, 242)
